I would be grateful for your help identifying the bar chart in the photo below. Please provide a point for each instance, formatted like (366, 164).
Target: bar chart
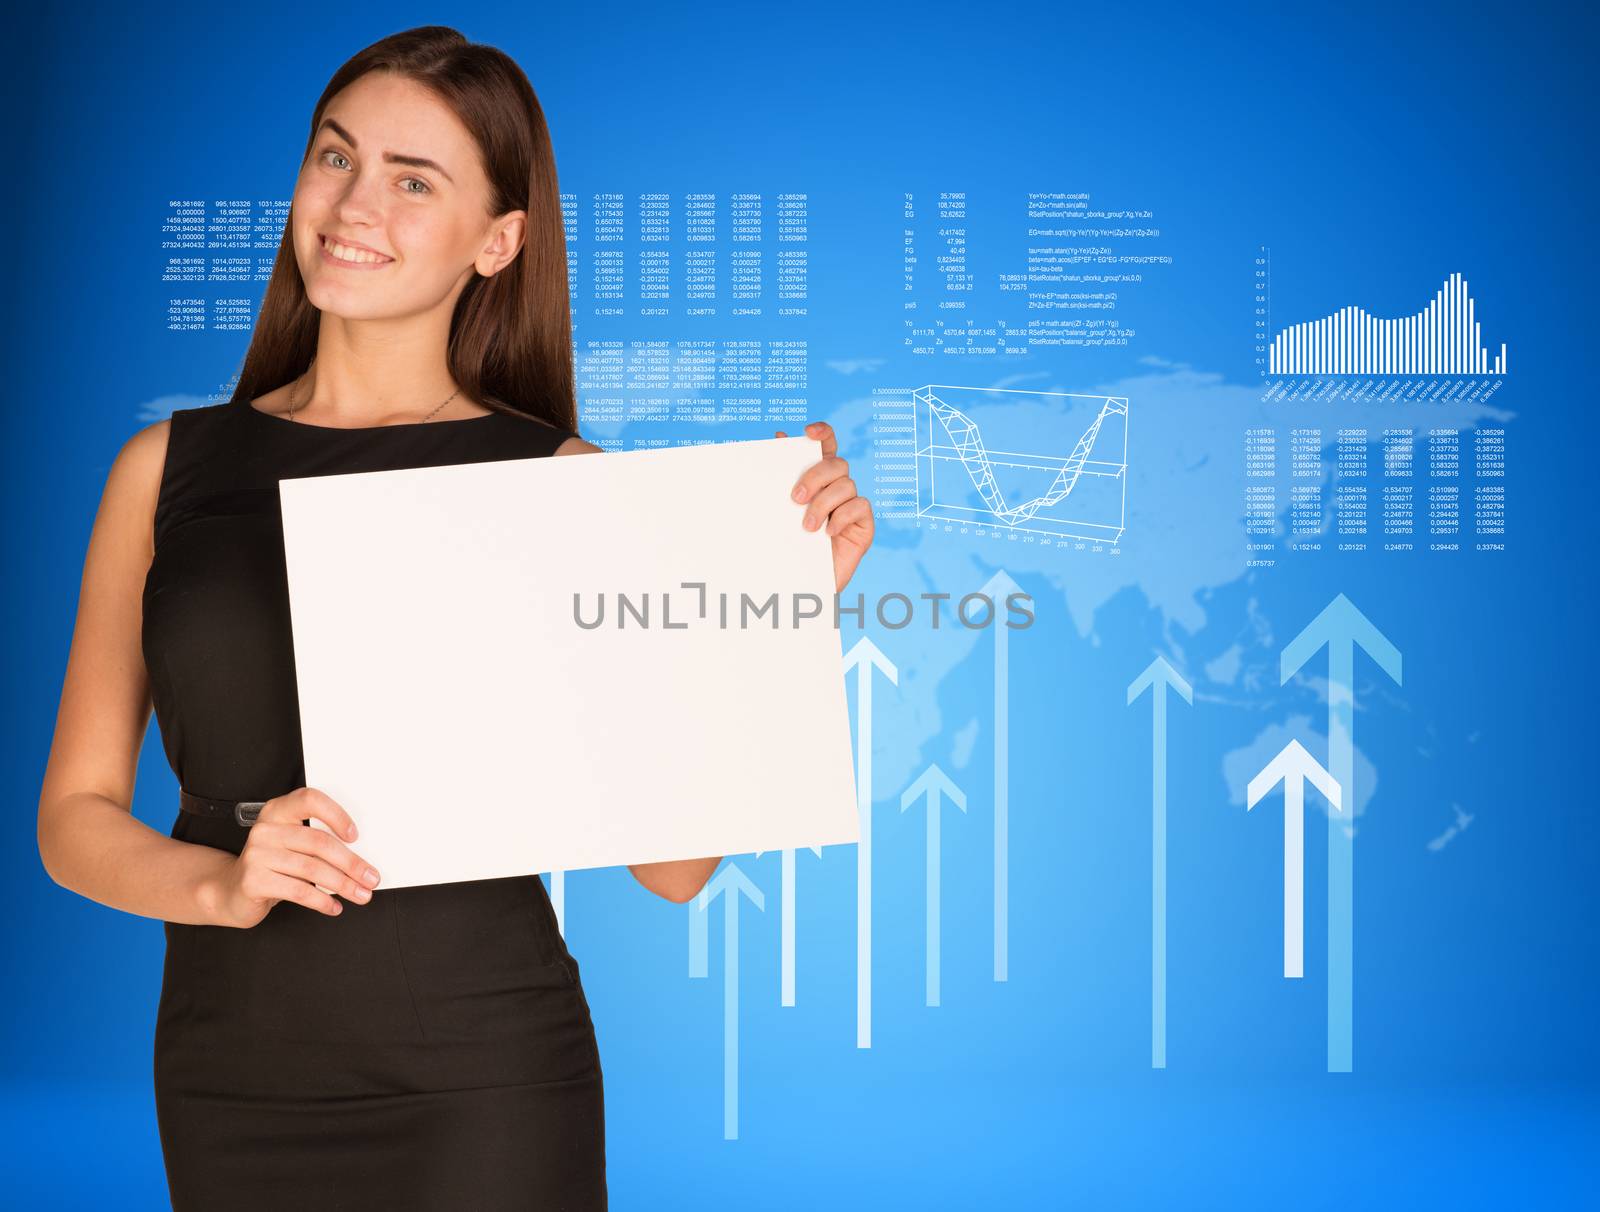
(1444, 338)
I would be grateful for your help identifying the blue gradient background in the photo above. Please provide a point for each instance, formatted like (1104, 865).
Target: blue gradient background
(1375, 148)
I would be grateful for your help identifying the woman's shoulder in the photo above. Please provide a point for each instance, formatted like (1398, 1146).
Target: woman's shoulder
(144, 453)
(133, 484)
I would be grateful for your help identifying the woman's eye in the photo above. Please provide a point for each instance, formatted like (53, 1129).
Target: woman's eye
(339, 156)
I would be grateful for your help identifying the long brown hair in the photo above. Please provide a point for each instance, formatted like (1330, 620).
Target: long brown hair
(511, 335)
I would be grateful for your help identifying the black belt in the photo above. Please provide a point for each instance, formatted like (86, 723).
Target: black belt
(243, 812)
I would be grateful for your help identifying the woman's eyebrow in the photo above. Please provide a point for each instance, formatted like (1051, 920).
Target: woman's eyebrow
(391, 157)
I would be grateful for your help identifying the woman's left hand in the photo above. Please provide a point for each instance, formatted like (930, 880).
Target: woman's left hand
(829, 495)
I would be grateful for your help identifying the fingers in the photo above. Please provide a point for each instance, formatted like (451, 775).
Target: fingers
(823, 432)
(326, 876)
(857, 510)
(301, 839)
(280, 887)
(259, 882)
(316, 863)
(815, 477)
(827, 486)
(313, 856)
(308, 802)
(832, 495)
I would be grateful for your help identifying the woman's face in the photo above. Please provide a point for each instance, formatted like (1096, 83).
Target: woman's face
(392, 170)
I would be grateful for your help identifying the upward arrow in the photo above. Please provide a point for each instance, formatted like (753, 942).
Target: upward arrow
(997, 589)
(1340, 628)
(735, 883)
(731, 878)
(1157, 678)
(1293, 767)
(933, 783)
(700, 917)
(865, 652)
(1160, 674)
(865, 656)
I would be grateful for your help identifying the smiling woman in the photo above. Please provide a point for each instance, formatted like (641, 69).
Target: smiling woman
(321, 1040)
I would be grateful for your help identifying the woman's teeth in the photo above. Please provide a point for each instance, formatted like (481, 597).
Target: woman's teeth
(345, 253)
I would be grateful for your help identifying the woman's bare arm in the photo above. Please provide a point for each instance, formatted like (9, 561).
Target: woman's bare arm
(89, 839)
(681, 879)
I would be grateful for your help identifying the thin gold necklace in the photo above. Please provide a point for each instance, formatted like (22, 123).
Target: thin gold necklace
(429, 417)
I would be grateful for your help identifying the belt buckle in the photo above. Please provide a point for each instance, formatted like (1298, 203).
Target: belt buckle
(245, 812)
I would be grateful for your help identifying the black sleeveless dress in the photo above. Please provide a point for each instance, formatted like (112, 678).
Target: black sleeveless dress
(430, 1049)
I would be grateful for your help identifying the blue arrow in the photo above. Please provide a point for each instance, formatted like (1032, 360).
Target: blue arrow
(699, 928)
(865, 656)
(786, 925)
(932, 784)
(1156, 678)
(1341, 627)
(997, 589)
(732, 881)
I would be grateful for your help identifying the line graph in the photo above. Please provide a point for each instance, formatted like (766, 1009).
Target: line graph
(963, 476)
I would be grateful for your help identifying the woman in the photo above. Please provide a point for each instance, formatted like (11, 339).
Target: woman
(425, 1047)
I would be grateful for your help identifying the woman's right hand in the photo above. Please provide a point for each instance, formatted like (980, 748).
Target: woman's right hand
(285, 860)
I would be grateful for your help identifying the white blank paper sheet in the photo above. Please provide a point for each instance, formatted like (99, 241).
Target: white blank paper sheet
(450, 701)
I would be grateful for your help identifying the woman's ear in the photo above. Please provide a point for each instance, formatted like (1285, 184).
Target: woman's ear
(505, 242)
